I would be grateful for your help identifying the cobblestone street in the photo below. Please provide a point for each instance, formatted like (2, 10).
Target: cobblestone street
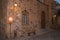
(53, 35)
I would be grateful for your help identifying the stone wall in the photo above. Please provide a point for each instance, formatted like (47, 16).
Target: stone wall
(34, 9)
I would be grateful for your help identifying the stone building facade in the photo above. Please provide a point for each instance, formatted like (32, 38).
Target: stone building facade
(58, 16)
(29, 16)
(3, 6)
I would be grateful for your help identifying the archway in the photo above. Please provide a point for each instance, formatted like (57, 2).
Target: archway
(43, 20)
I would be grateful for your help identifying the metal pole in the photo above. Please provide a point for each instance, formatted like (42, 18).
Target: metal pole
(10, 30)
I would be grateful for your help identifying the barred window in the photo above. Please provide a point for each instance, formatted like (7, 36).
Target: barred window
(25, 18)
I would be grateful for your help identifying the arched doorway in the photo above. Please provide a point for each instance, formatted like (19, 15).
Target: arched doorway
(43, 20)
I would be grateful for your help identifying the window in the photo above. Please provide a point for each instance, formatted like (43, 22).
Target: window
(25, 18)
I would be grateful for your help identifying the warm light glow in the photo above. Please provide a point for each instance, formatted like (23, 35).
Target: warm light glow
(15, 4)
(54, 16)
(10, 19)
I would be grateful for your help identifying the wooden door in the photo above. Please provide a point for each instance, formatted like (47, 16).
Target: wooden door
(43, 20)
